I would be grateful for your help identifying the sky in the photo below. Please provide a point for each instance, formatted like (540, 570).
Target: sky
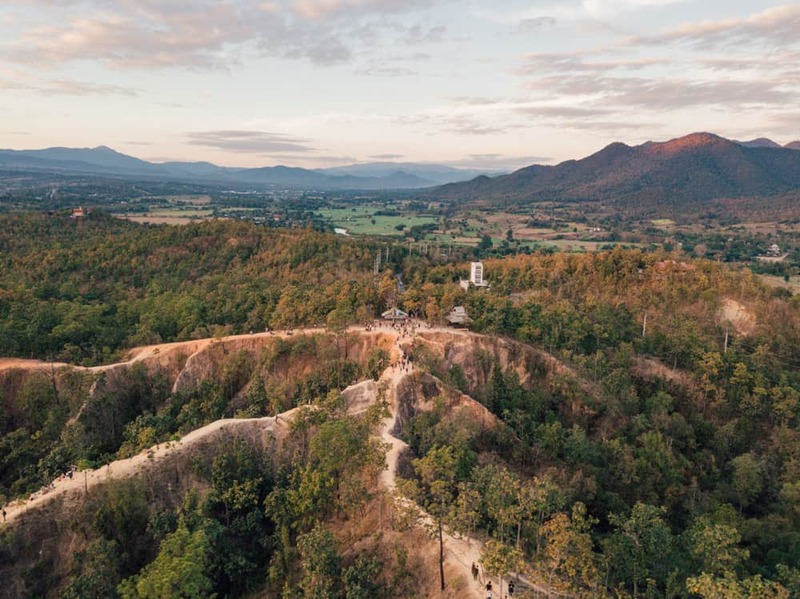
(489, 84)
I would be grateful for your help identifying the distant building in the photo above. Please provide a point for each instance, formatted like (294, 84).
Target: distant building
(458, 317)
(340, 231)
(476, 274)
(774, 250)
(475, 277)
(78, 212)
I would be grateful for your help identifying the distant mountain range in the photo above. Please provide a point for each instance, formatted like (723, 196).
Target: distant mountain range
(103, 161)
(700, 166)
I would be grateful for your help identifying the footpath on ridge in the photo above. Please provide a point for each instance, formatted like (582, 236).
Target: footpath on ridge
(460, 551)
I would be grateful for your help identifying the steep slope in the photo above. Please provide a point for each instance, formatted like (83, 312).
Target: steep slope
(168, 470)
(697, 167)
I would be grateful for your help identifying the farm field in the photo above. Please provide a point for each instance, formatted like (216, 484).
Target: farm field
(362, 220)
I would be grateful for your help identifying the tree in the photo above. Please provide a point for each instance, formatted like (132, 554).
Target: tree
(360, 578)
(640, 546)
(499, 559)
(97, 572)
(747, 478)
(715, 546)
(178, 571)
(567, 553)
(466, 509)
(728, 586)
(437, 474)
(321, 564)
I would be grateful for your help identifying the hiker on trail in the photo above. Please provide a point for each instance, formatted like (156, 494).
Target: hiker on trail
(4, 514)
(510, 588)
(489, 590)
(474, 571)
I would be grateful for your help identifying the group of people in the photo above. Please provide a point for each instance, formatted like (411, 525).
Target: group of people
(403, 362)
(47, 488)
(405, 328)
(476, 573)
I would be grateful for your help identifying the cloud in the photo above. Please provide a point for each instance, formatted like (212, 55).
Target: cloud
(211, 34)
(562, 111)
(604, 8)
(249, 142)
(392, 66)
(9, 84)
(612, 127)
(682, 93)
(82, 88)
(135, 37)
(537, 63)
(451, 119)
(314, 10)
(384, 70)
(477, 101)
(725, 65)
(782, 121)
(386, 156)
(777, 26)
(417, 35)
(533, 24)
(664, 92)
(470, 125)
(67, 87)
(582, 117)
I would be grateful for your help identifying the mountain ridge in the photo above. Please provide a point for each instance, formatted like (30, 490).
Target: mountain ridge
(105, 161)
(696, 167)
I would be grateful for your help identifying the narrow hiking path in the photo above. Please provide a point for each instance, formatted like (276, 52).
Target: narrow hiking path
(461, 551)
(82, 482)
(459, 555)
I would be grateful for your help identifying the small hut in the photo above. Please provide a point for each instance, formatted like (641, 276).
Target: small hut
(394, 314)
(458, 317)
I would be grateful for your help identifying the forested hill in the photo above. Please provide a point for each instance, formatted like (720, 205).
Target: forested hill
(79, 291)
(623, 460)
(681, 172)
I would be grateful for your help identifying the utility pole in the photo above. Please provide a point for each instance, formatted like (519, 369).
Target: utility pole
(644, 325)
(725, 351)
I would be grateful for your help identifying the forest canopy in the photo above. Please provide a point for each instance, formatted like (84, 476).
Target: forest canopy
(662, 460)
